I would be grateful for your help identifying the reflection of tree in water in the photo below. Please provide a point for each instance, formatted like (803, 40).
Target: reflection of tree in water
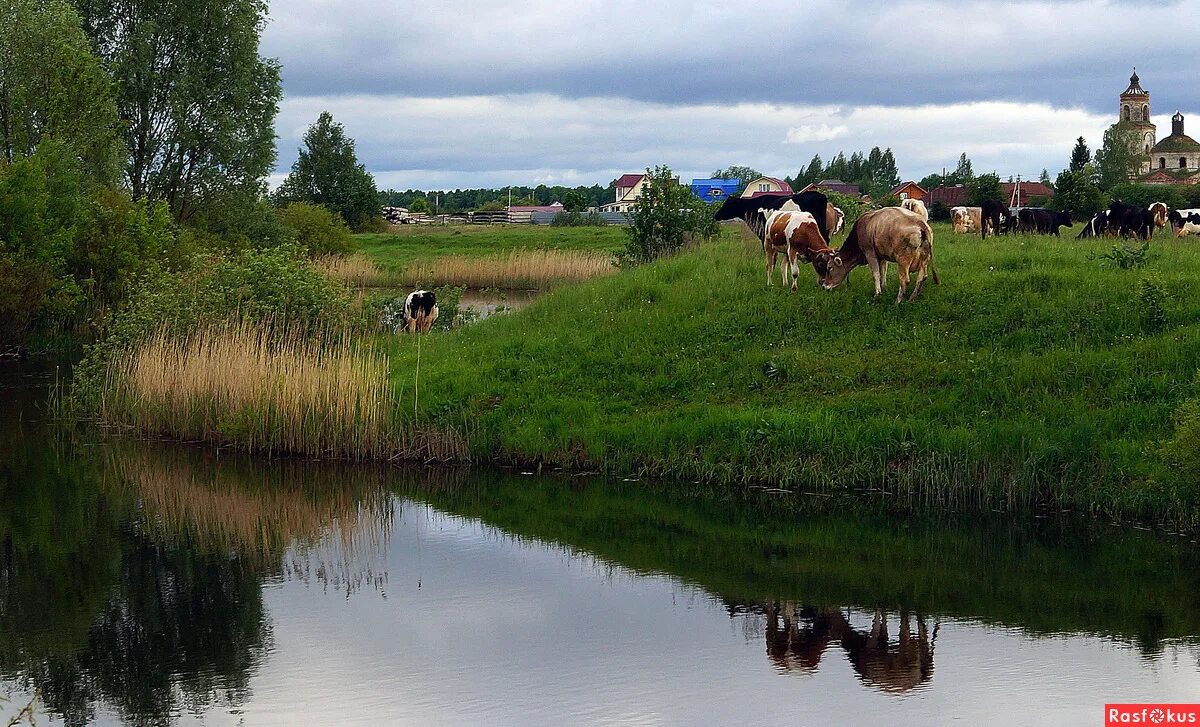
(137, 582)
(797, 637)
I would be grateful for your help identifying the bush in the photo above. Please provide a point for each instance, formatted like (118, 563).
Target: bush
(667, 217)
(939, 212)
(1127, 257)
(237, 220)
(578, 219)
(317, 230)
(277, 286)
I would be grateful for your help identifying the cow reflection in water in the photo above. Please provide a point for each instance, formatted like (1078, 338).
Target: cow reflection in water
(797, 637)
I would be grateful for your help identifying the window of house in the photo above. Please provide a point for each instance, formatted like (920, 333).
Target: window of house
(904, 195)
(764, 188)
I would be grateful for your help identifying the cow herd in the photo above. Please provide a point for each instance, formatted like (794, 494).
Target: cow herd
(801, 226)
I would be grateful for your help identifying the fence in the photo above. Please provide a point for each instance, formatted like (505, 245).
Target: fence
(494, 218)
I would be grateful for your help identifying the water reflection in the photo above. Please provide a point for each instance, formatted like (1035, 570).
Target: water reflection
(149, 583)
(797, 637)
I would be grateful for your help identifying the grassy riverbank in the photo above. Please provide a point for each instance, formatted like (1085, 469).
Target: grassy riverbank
(1038, 374)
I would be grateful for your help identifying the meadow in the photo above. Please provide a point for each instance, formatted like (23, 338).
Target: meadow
(1040, 374)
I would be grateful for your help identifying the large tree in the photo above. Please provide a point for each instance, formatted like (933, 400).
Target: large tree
(197, 99)
(744, 175)
(1076, 193)
(327, 173)
(984, 188)
(53, 87)
(1118, 160)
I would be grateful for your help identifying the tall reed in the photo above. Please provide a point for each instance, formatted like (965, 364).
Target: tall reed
(519, 269)
(356, 270)
(251, 386)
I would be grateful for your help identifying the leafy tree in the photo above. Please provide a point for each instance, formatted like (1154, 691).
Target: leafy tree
(317, 230)
(1119, 158)
(327, 173)
(983, 188)
(197, 100)
(420, 206)
(1075, 192)
(574, 200)
(963, 173)
(1081, 156)
(666, 217)
(53, 87)
(744, 175)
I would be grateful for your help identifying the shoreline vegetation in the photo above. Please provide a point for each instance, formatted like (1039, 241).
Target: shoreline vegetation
(1040, 374)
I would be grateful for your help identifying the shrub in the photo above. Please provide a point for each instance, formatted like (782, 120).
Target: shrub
(316, 229)
(939, 212)
(667, 216)
(574, 218)
(1151, 299)
(1127, 257)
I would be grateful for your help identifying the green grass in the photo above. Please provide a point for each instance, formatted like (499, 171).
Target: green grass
(1034, 375)
(415, 243)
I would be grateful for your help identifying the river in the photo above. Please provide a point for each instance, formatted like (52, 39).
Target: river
(154, 583)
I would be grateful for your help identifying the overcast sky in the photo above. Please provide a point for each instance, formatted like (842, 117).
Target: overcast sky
(465, 93)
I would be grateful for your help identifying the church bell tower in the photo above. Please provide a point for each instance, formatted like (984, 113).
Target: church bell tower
(1135, 116)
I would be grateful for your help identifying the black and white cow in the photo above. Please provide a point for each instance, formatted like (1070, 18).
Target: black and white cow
(420, 311)
(747, 209)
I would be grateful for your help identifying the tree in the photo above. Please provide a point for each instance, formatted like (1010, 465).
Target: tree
(744, 175)
(1075, 192)
(420, 206)
(1045, 177)
(327, 173)
(666, 217)
(1119, 158)
(963, 173)
(53, 87)
(984, 188)
(574, 200)
(197, 100)
(1081, 156)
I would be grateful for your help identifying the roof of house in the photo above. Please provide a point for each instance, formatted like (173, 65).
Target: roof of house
(1028, 189)
(783, 186)
(628, 180)
(834, 185)
(950, 196)
(900, 187)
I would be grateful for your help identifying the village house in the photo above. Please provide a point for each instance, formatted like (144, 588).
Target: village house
(909, 190)
(715, 190)
(834, 185)
(766, 185)
(627, 192)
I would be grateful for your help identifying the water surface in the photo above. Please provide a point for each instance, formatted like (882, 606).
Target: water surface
(149, 583)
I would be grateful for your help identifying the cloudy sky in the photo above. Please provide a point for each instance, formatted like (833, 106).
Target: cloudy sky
(466, 93)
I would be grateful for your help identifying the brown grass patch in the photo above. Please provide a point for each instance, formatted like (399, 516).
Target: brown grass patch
(356, 270)
(519, 269)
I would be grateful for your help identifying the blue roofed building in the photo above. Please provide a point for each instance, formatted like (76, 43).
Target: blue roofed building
(715, 190)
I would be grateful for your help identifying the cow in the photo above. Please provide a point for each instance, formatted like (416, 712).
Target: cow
(966, 219)
(835, 220)
(1130, 221)
(1189, 227)
(1178, 217)
(1043, 221)
(883, 235)
(796, 235)
(1160, 212)
(420, 311)
(1095, 227)
(917, 206)
(994, 217)
(746, 209)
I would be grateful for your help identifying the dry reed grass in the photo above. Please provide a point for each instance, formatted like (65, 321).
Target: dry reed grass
(356, 270)
(249, 386)
(519, 269)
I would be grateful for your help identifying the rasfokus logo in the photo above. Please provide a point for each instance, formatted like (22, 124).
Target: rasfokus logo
(1151, 714)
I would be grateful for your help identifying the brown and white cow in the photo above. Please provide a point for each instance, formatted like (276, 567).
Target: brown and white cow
(966, 219)
(916, 206)
(886, 235)
(835, 220)
(796, 235)
(1160, 212)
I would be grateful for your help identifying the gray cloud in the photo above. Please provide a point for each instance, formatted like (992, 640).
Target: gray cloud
(410, 79)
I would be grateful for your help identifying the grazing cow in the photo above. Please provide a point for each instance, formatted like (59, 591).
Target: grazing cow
(994, 218)
(796, 235)
(1189, 228)
(1160, 212)
(420, 311)
(961, 219)
(747, 209)
(1130, 221)
(1043, 221)
(888, 234)
(917, 206)
(1095, 227)
(1178, 217)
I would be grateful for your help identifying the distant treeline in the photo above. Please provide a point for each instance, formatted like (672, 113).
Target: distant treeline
(875, 172)
(462, 200)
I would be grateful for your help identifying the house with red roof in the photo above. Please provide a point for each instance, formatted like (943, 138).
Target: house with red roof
(1023, 194)
(766, 185)
(834, 185)
(952, 197)
(627, 190)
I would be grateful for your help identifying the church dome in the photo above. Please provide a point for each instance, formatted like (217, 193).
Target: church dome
(1177, 141)
(1135, 86)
